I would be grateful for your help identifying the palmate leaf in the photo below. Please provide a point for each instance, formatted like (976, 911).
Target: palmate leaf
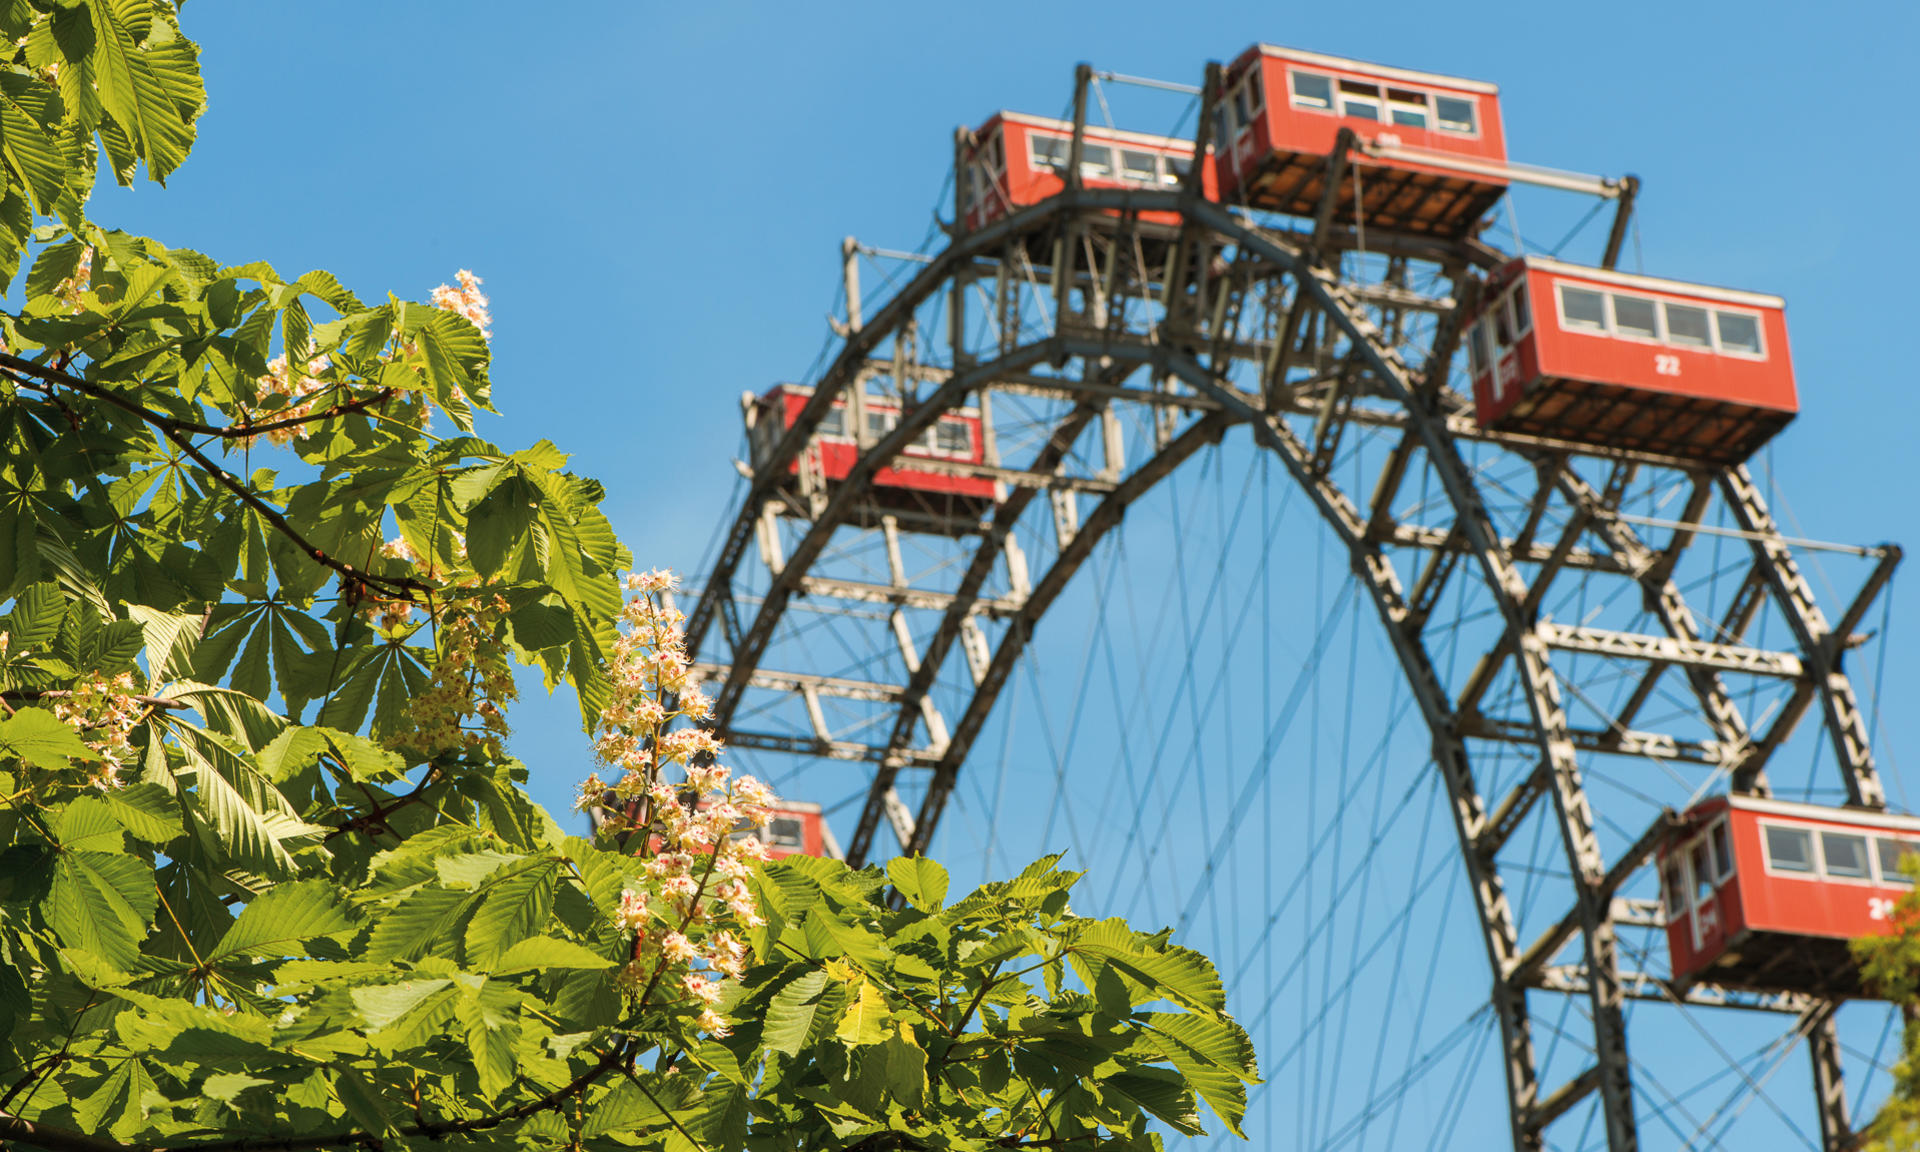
(29, 110)
(230, 713)
(89, 823)
(864, 1021)
(641, 1105)
(253, 824)
(119, 1104)
(135, 93)
(1214, 1055)
(519, 902)
(1170, 972)
(922, 881)
(790, 1017)
(102, 902)
(418, 924)
(147, 811)
(36, 736)
(281, 922)
(542, 953)
(1161, 1093)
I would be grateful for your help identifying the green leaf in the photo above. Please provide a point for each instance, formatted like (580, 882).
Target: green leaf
(864, 1021)
(906, 1067)
(89, 823)
(491, 1019)
(147, 811)
(790, 1016)
(363, 1103)
(119, 1105)
(545, 952)
(1170, 972)
(283, 920)
(383, 1004)
(36, 736)
(227, 1086)
(1161, 1093)
(499, 523)
(28, 109)
(254, 822)
(1214, 1055)
(35, 619)
(922, 881)
(518, 905)
(102, 902)
(136, 89)
(421, 922)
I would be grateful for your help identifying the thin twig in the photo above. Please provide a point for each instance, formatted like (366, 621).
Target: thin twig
(177, 431)
(62, 693)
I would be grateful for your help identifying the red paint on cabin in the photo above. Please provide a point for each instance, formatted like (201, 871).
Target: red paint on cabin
(1765, 894)
(1016, 161)
(1443, 152)
(793, 828)
(954, 440)
(1624, 361)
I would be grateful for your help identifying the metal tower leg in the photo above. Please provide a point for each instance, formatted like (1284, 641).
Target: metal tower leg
(1830, 1090)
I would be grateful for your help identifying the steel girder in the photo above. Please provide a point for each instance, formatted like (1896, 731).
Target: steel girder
(1192, 343)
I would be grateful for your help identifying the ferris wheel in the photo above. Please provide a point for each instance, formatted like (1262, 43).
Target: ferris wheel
(1379, 669)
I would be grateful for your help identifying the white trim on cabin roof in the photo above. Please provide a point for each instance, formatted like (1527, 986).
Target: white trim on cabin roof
(1106, 135)
(1381, 71)
(1655, 284)
(1849, 817)
(873, 402)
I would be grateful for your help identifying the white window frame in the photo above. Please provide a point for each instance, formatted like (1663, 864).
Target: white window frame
(1815, 835)
(1483, 328)
(1333, 92)
(1759, 327)
(1471, 102)
(1379, 99)
(1817, 872)
(1664, 338)
(1153, 177)
(1666, 329)
(1866, 881)
(1034, 160)
(1517, 288)
(1659, 319)
(1426, 108)
(1880, 872)
(1560, 309)
(930, 443)
(839, 407)
(1675, 886)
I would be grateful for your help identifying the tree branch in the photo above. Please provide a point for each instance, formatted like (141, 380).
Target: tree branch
(377, 815)
(240, 431)
(176, 431)
(61, 693)
(28, 1133)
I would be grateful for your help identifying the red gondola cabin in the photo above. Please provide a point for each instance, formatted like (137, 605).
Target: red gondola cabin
(1765, 894)
(1623, 361)
(793, 828)
(1432, 155)
(1016, 161)
(929, 484)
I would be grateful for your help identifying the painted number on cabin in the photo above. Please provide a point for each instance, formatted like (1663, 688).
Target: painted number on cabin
(1666, 365)
(1879, 908)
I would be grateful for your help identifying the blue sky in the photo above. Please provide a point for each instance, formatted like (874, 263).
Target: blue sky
(656, 195)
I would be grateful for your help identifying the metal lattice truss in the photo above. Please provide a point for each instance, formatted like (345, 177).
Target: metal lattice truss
(1103, 351)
